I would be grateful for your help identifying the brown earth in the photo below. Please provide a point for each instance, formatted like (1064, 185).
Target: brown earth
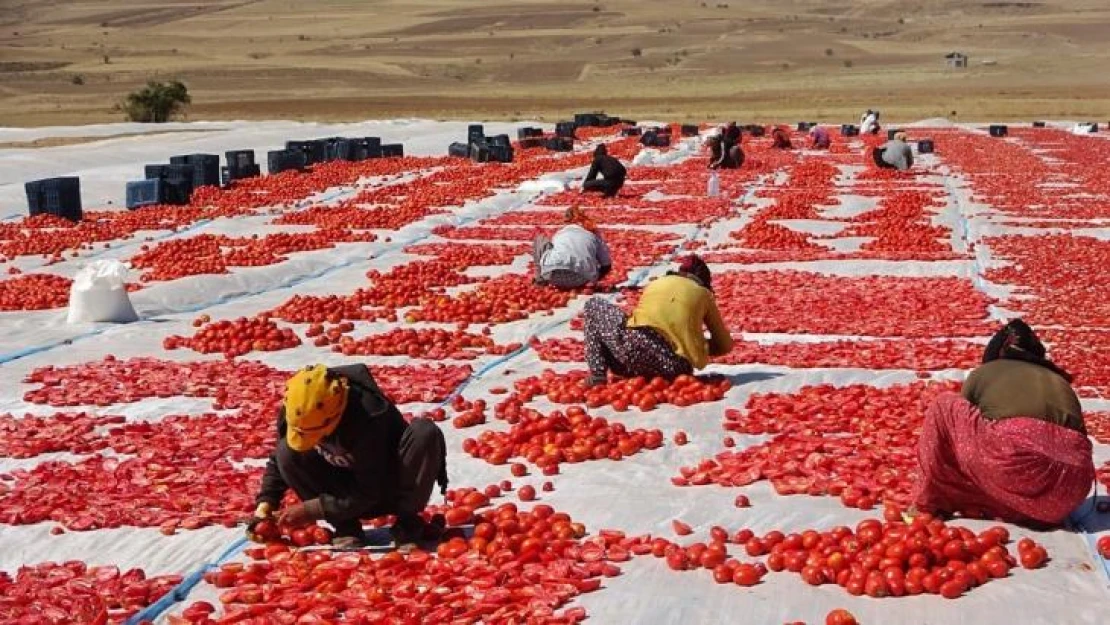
(682, 59)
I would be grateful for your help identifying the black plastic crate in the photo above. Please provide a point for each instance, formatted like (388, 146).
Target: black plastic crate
(565, 129)
(803, 126)
(393, 150)
(206, 169)
(60, 197)
(528, 132)
(689, 130)
(458, 150)
(849, 130)
(926, 146)
(532, 142)
(343, 150)
(501, 153)
(662, 141)
(239, 173)
(177, 191)
(631, 131)
(178, 172)
(239, 158)
(647, 138)
(502, 140)
(144, 193)
(587, 120)
(475, 132)
(1039, 124)
(998, 130)
(179, 159)
(154, 172)
(479, 152)
(369, 147)
(559, 144)
(278, 161)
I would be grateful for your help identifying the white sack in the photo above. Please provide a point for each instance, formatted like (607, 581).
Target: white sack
(99, 293)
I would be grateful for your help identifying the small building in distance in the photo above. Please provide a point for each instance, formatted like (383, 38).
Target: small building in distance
(956, 60)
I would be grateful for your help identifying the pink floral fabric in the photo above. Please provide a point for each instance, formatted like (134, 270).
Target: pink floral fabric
(1019, 469)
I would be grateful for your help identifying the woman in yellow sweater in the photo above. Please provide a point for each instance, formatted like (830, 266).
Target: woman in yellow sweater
(665, 335)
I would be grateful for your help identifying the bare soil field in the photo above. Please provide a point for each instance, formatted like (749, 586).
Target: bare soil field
(70, 62)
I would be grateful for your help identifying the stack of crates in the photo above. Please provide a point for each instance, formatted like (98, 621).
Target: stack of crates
(144, 193)
(393, 150)
(240, 165)
(206, 168)
(60, 197)
(369, 147)
(565, 129)
(529, 137)
(278, 161)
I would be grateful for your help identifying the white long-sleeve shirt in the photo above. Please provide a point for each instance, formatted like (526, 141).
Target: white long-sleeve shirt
(576, 255)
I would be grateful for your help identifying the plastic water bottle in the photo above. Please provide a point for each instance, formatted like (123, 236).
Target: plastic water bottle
(714, 187)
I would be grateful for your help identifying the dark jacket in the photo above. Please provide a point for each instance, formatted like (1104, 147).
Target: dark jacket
(364, 446)
(609, 167)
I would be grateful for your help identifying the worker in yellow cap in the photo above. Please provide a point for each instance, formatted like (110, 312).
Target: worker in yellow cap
(348, 454)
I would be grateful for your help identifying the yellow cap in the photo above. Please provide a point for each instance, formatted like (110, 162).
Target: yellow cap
(314, 402)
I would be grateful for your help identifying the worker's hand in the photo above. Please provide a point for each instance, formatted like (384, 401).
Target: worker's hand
(262, 513)
(302, 514)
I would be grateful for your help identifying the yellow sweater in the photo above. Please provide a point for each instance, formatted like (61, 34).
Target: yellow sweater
(679, 309)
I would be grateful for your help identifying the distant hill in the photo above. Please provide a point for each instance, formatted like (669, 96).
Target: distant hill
(69, 62)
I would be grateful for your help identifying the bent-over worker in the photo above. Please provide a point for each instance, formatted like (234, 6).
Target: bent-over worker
(1013, 444)
(894, 154)
(348, 454)
(574, 257)
(612, 173)
(665, 335)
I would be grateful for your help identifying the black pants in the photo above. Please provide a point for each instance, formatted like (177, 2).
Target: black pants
(607, 188)
(877, 154)
(420, 461)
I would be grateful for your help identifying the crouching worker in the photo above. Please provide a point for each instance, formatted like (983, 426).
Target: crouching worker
(819, 137)
(894, 154)
(725, 153)
(665, 335)
(1012, 445)
(780, 139)
(574, 257)
(347, 452)
(612, 173)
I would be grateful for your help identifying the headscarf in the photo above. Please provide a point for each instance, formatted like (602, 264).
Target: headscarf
(1017, 341)
(694, 267)
(601, 150)
(314, 402)
(575, 215)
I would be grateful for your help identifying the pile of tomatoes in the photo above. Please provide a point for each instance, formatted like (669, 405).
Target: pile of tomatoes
(272, 532)
(236, 337)
(857, 443)
(516, 565)
(424, 344)
(73, 592)
(113, 381)
(34, 291)
(501, 300)
(768, 301)
(30, 435)
(622, 394)
(562, 436)
(148, 490)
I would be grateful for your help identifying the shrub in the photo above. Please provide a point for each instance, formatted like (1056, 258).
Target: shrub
(156, 102)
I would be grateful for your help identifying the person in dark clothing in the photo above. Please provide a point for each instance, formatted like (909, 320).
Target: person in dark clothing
(781, 140)
(612, 172)
(724, 154)
(348, 454)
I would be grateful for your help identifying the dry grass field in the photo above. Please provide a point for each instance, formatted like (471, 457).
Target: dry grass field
(72, 61)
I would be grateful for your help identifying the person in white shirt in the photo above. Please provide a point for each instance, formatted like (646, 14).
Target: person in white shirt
(574, 257)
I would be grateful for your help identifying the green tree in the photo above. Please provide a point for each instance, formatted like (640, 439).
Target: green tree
(156, 102)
